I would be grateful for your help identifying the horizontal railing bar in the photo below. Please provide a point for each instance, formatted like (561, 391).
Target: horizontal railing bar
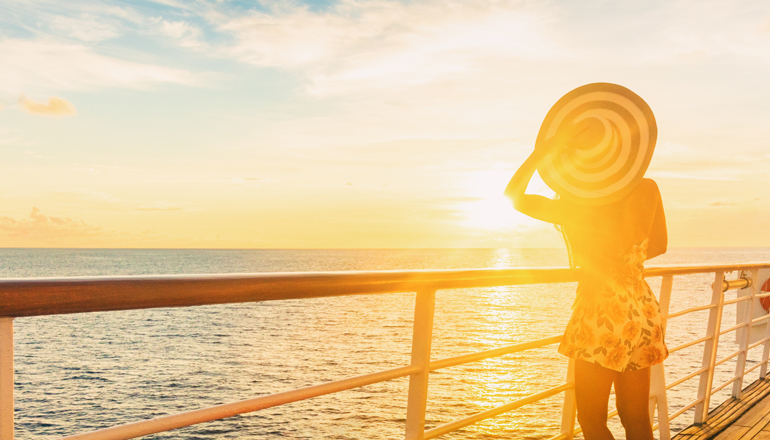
(760, 319)
(727, 358)
(51, 296)
(689, 344)
(684, 408)
(761, 341)
(762, 295)
(685, 378)
(167, 423)
(737, 300)
(720, 387)
(454, 426)
(464, 359)
(740, 283)
(745, 372)
(733, 328)
(676, 269)
(690, 310)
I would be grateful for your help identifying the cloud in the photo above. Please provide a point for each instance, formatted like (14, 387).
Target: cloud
(378, 44)
(86, 27)
(184, 33)
(357, 45)
(41, 228)
(55, 107)
(722, 203)
(158, 208)
(248, 181)
(105, 202)
(40, 66)
(463, 199)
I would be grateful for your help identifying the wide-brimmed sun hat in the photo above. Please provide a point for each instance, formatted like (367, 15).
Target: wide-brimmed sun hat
(611, 155)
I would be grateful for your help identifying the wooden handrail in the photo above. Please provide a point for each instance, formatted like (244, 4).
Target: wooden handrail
(53, 296)
(684, 269)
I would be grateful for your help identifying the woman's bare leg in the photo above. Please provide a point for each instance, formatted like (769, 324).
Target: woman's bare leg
(632, 394)
(592, 393)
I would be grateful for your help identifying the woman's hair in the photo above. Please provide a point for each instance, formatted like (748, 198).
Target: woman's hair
(563, 231)
(594, 240)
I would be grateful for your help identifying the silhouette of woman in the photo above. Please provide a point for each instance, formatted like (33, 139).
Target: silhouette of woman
(615, 331)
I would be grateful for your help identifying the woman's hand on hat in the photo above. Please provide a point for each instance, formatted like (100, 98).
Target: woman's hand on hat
(565, 140)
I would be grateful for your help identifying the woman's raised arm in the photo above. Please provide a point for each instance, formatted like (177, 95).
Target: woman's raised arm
(539, 207)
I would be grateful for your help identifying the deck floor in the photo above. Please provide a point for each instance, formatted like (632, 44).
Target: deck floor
(736, 419)
(754, 424)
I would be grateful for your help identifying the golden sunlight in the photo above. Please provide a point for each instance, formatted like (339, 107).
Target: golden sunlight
(493, 212)
(489, 209)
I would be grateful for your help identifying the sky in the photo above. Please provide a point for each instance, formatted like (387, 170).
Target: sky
(358, 123)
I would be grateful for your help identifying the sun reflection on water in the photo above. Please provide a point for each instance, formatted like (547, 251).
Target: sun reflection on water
(488, 318)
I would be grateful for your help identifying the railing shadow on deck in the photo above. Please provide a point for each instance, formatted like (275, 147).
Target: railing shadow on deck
(49, 296)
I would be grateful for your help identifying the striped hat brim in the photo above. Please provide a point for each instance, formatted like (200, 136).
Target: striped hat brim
(614, 152)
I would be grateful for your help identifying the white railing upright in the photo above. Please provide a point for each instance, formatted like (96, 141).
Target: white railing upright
(765, 351)
(710, 350)
(658, 396)
(6, 379)
(569, 410)
(744, 336)
(422, 336)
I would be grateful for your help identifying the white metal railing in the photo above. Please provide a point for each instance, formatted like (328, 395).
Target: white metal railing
(45, 296)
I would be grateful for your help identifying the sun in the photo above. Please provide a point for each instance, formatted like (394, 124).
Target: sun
(494, 212)
(487, 208)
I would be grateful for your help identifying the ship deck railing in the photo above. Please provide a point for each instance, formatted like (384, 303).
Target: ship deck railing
(25, 297)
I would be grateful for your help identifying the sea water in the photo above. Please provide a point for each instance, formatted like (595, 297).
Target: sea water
(81, 372)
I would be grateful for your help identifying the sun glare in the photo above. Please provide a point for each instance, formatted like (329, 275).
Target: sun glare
(494, 212)
(489, 209)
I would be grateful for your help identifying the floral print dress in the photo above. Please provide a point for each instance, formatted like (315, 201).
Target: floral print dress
(616, 320)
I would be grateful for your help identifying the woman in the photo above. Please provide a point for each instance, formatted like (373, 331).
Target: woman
(615, 331)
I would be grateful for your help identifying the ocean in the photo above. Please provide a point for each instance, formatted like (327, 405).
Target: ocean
(81, 372)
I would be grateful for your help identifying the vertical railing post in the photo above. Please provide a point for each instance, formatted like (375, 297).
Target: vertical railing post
(569, 410)
(422, 335)
(710, 350)
(744, 336)
(6, 378)
(660, 399)
(765, 352)
(658, 395)
(766, 345)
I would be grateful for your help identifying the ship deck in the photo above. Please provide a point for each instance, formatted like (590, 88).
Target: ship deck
(736, 419)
